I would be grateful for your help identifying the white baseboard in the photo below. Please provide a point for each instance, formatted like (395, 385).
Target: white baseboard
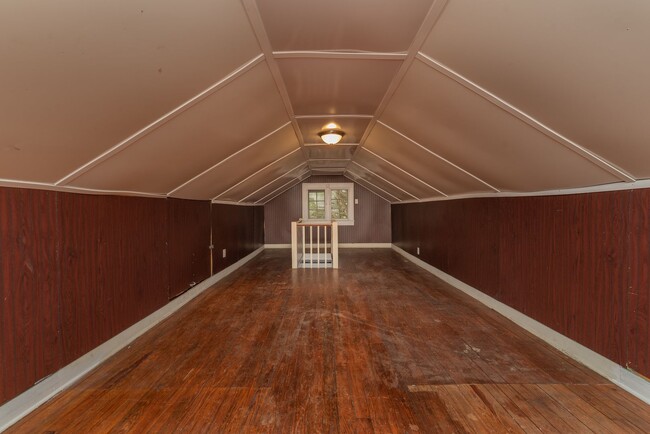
(341, 246)
(619, 375)
(14, 410)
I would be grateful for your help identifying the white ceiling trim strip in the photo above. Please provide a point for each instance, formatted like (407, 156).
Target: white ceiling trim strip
(160, 121)
(228, 202)
(404, 171)
(430, 20)
(292, 180)
(292, 183)
(70, 189)
(369, 185)
(257, 172)
(528, 120)
(384, 179)
(438, 156)
(326, 116)
(250, 6)
(301, 165)
(324, 144)
(359, 55)
(205, 172)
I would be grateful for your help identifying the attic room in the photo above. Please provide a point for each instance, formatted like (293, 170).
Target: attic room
(473, 177)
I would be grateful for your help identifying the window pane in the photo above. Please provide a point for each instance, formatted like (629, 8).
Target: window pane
(316, 204)
(339, 204)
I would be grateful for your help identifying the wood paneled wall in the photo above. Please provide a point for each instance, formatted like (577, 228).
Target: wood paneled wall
(238, 229)
(75, 270)
(189, 244)
(371, 215)
(576, 263)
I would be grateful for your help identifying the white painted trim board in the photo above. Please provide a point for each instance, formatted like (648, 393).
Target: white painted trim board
(341, 246)
(614, 372)
(14, 410)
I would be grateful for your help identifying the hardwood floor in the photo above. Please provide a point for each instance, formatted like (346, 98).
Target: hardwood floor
(377, 346)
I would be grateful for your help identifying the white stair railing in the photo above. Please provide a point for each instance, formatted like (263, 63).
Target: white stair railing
(307, 250)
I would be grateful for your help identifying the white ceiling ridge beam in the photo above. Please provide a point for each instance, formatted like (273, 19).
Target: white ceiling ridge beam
(256, 173)
(34, 185)
(430, 20)
(206, 171)
(255, 18)
(527, 119)
(325, 144)
(303, 165)
(335, 116)
(404, 171)
(385, 180)
(161, 121)
(359, 180)
(285, 188)
(339, 54)
(438, 156)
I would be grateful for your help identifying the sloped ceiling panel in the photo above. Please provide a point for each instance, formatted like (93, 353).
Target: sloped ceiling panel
(232, 118)
(77, 77)
(482, 138)
(415, 187)
(336, 86)
(363, 25)
(277, 186)
(329, 151)
(389, 189)
(259, 180)
(421, 163)
(237, 167)
(579, 67)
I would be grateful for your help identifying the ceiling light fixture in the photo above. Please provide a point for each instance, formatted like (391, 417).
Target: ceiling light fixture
(331, 134)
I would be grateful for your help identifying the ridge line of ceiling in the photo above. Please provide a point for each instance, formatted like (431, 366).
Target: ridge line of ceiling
(304, 165)
(210, 169)
(429, 21)
(354, 55)
(441, 158)
(255, 19)
(404, 171)
(160, 121)
(585, 153)
(384, 179)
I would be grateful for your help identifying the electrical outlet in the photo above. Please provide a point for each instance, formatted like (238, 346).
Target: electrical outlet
(224, 253)
(418, 251)
(356, 201)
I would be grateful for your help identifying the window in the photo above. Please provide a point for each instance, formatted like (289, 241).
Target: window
(326, 202)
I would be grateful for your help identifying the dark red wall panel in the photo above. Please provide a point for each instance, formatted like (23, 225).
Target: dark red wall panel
(238, 229)
(189, 244)
(115, 268)
(371, 215)
(30, 341)
(577, 263)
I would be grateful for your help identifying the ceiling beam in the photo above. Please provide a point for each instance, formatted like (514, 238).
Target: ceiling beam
(528, 120)
(438, 156)
(430, 20)
(358, 55)
(161, 121)
(333, 116)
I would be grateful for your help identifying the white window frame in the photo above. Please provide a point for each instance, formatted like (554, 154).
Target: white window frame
(328, 187)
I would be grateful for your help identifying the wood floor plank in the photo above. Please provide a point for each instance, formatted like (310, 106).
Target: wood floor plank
(379, 346)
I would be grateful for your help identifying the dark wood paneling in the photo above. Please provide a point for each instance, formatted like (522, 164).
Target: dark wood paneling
(372, 220)
(638, 292)
(114, 266)
(566, 261)
(189, 244)
(30, 341)
(238, 229)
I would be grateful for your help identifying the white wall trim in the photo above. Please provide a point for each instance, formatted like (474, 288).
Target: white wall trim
(616, 373)
(341, 246)
(13, 183)
(14, 410)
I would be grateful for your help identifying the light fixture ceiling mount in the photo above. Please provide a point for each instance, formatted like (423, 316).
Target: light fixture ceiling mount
(331, 134)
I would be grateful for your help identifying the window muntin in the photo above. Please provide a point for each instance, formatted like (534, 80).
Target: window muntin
(325, 202)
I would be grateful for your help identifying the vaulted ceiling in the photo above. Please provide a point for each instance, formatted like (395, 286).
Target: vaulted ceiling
(223, 100)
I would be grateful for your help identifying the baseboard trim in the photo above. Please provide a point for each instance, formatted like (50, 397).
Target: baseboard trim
(617, 374)
(14, 410)
(341, 246)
